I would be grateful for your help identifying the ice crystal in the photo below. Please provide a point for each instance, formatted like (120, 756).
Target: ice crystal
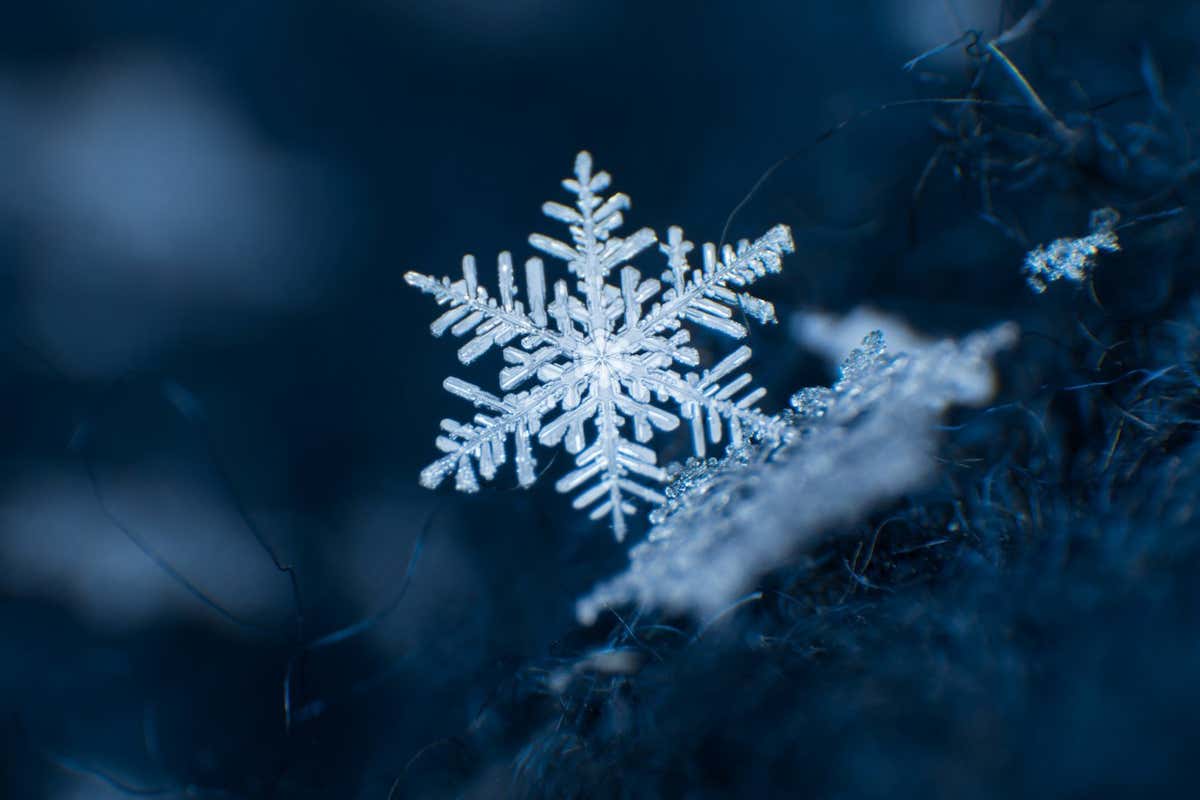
(862, 442)
(599, 356)
(1072, 259)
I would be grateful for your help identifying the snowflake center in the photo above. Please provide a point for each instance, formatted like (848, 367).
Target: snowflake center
(601, 358)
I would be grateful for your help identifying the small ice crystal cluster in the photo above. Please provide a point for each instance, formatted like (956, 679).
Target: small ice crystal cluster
(591, 354)
(1073, 259)
(862, 442)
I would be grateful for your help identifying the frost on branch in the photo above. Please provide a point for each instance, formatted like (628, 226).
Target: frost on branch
(1072, 259)
(591, 366)
(848, 448)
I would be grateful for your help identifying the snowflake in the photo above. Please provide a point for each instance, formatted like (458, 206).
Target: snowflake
(599, 356)
(1073, 259)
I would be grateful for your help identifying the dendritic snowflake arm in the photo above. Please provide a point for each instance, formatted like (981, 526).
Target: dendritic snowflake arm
(482, 440)
(704, 401)
(597, 358)
(592, 222)
(704, 297)
(471, 310)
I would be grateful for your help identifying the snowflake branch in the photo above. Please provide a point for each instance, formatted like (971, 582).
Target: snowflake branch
(483, 438)
(695, 301)
(704, 402)
(612, 457)
(471, 309)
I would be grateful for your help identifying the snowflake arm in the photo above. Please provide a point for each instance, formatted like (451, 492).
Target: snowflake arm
(704, 402)
(706, 299)
(483, 439)
(595, 251)
(471, 310)
(611, 460)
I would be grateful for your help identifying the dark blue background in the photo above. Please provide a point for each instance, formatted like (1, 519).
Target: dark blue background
(210, 355)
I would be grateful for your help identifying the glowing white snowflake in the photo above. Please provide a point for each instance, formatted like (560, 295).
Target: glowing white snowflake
(598, 356)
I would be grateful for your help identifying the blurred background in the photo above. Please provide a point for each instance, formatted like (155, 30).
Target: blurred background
(217, 571)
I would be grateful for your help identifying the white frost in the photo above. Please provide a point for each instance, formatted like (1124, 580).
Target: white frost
(849, 448)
